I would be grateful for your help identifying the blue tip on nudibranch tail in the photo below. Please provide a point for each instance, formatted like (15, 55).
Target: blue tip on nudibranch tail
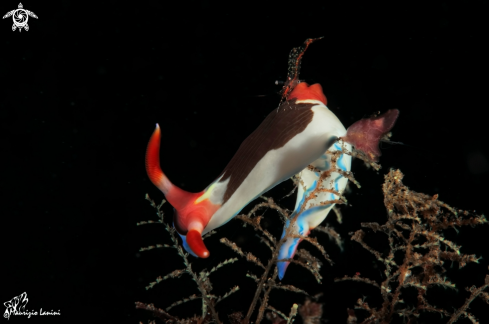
(282, 266)
(287, 251)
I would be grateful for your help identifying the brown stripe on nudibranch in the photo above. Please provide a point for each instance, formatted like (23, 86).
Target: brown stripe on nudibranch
(273, 133)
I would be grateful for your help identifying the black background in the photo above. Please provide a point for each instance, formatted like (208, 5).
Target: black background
(83, 88)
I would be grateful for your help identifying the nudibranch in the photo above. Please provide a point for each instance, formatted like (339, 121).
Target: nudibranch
(290, 138)
(309, 212)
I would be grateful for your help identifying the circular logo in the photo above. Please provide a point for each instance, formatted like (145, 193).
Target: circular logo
(20, 17)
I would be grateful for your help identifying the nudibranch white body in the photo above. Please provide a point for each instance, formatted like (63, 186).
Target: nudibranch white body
(286, 142)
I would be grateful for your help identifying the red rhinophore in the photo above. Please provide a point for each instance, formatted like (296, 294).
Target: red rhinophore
(304, 91)
(365, 134)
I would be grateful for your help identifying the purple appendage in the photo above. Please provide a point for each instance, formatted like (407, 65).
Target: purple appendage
(365, 134)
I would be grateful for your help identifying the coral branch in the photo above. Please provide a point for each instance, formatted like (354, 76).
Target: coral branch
(414, 228)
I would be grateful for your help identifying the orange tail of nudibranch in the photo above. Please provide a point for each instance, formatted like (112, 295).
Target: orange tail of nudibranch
(190, 217)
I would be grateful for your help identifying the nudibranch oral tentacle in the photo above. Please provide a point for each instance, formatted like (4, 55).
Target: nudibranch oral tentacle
(286, 142)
